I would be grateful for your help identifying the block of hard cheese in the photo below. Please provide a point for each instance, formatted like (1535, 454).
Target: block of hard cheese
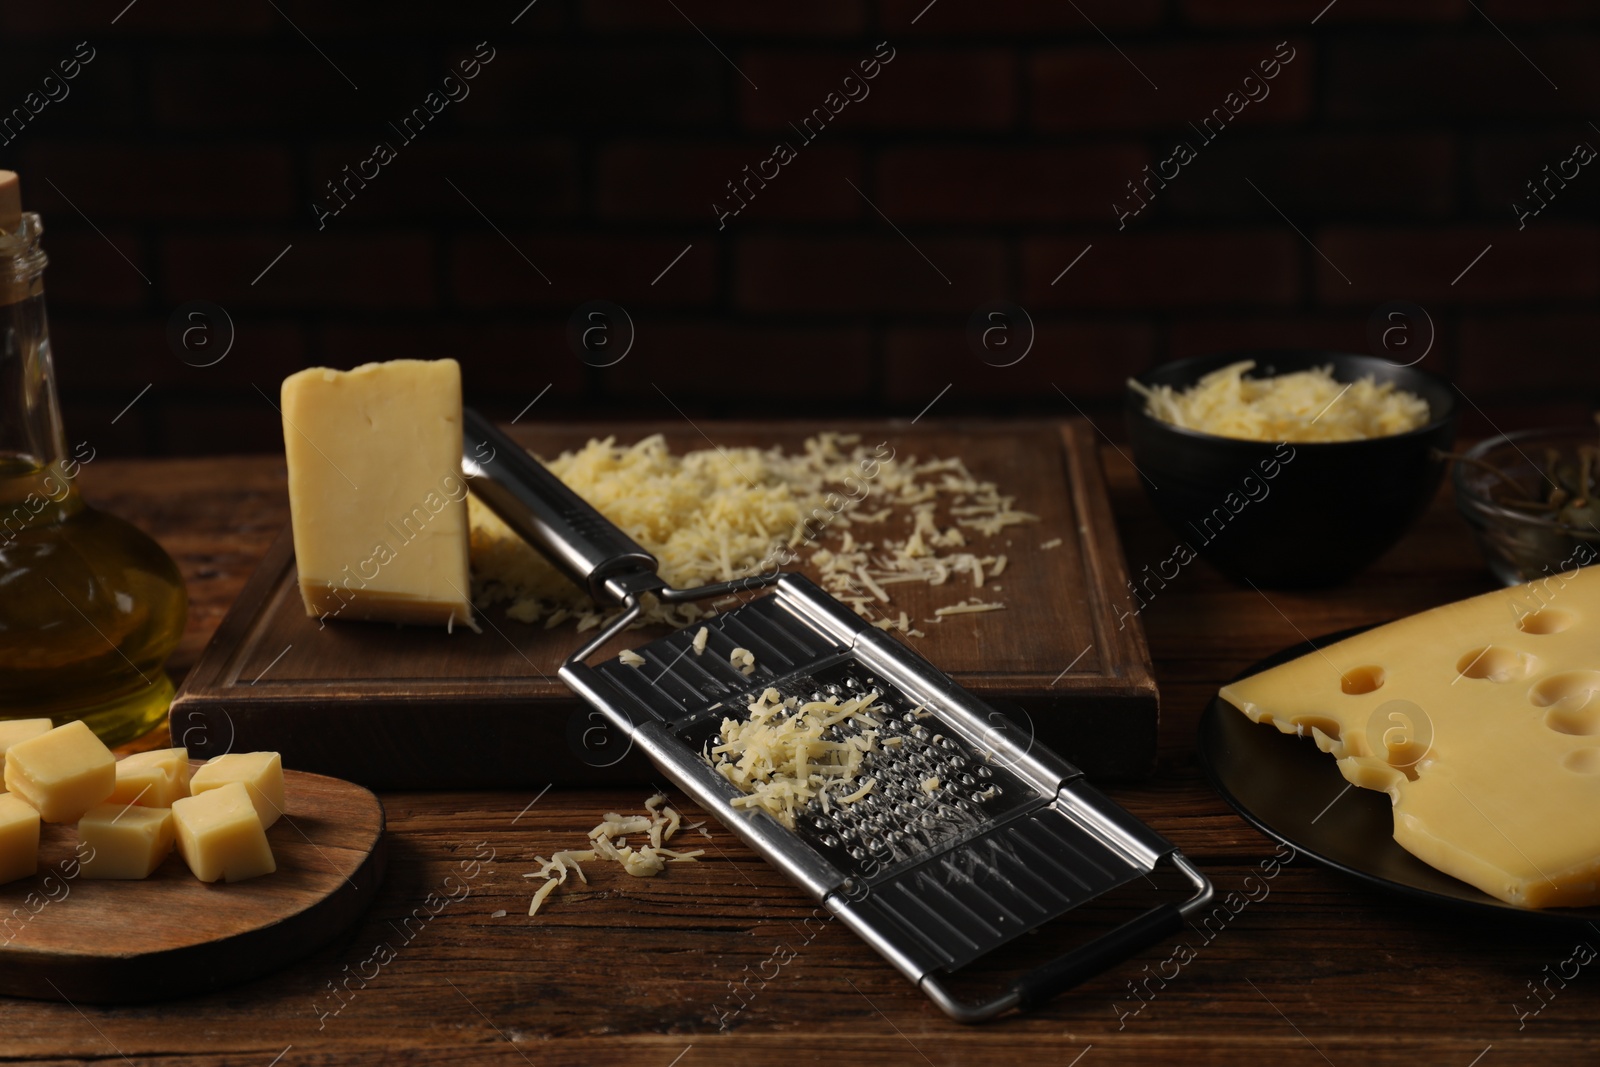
(1481, 720)
(14, 730)
(152, 779)
(62, 773)
(261, 773)
(19, 839)
(124, 840)
(376, 496)
(220, 835)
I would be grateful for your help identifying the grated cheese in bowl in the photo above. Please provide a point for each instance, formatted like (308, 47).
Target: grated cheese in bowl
(1303, 406)
(863, 518)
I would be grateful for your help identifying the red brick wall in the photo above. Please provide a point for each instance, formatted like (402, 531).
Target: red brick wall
(984, 157)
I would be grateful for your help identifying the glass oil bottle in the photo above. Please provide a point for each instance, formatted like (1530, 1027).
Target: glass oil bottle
(90, 607)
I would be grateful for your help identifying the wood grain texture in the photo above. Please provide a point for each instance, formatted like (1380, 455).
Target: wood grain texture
(1322, 969)
(362, 700)
(85, 940)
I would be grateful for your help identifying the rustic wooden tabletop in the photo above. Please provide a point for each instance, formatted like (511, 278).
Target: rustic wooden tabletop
(717, 961)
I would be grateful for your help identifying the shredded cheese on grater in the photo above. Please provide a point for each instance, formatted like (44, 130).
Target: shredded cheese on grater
(609, 841)
(863, 519)
(781, 760)
(1306, 405)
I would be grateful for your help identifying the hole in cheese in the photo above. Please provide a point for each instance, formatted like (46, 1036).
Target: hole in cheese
(1495, 663)
(1548, 621)
(1569, 689)
(1359, 680)
(1583, 761)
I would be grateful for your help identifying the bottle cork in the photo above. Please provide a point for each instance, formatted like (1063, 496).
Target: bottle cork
(10, 202)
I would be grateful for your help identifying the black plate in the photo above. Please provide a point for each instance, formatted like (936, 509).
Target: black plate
(1291, 791)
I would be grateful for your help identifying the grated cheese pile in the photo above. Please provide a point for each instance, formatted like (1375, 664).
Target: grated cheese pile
(1304, 406)
(788, 752)
(715, 515)
(608, 841)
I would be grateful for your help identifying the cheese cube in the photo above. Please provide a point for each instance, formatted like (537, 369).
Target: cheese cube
(261, 773)
(63, 773)
(14, 730)
(376, 496)
(124, 840)
(220, 835)
(152, 779)
(19, 839)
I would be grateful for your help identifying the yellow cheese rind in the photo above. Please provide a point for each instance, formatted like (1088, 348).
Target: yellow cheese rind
(63, 773)
(1481, 720)
(124, 841)
(14, 730)
(376, 496)
(260, 772)
(153, 779)
(19, 839)
(220, 836)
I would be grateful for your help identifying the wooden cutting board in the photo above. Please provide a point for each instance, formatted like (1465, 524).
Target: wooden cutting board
(404, 707)
(83, 940)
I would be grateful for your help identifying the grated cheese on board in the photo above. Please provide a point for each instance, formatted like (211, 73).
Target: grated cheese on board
(1304, 406)
(715, 515)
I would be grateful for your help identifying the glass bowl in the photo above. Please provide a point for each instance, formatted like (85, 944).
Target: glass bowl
(1520, 545)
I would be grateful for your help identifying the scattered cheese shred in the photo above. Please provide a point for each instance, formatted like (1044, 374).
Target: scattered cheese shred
(744, 660)
(1054, 542)
(610, 843)
(699, 644)
(718, 514)
(967, 607)
(1308, 405)
(631, 658)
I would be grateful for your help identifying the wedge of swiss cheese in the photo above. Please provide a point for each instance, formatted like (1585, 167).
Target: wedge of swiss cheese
(376, 494)
(1481, 720)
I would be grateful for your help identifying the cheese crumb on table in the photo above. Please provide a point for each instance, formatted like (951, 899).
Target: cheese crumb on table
(260, 772)
(609, 842)
(220, 835)
(62, 773)
(14, 730)
(19, 839)
(125, 840)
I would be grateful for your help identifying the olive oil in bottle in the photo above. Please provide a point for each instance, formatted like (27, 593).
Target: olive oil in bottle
(90, 607)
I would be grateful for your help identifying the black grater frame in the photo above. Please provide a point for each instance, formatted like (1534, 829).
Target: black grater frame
(989, 866)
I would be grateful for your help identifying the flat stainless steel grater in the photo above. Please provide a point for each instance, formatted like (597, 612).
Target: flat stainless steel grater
(1011, 838)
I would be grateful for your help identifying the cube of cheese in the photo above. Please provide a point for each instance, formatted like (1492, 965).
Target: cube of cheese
(14, 730)
(63, 773)
(19, 839)
(152, 779)
(123, 840)
(220, 835)
(261, 773)
(376, 496)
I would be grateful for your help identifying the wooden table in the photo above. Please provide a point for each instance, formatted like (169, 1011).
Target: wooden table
(636, 972)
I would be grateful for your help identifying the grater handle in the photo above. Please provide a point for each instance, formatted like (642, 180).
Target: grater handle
(1132, 937)
(584, 544)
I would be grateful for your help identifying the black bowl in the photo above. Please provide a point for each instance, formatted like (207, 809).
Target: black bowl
(1289, 515)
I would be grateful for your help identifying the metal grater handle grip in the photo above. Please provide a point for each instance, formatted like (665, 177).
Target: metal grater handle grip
(1132, 937)
(584, 544)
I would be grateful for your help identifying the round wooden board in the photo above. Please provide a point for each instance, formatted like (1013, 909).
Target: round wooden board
(171, 935)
